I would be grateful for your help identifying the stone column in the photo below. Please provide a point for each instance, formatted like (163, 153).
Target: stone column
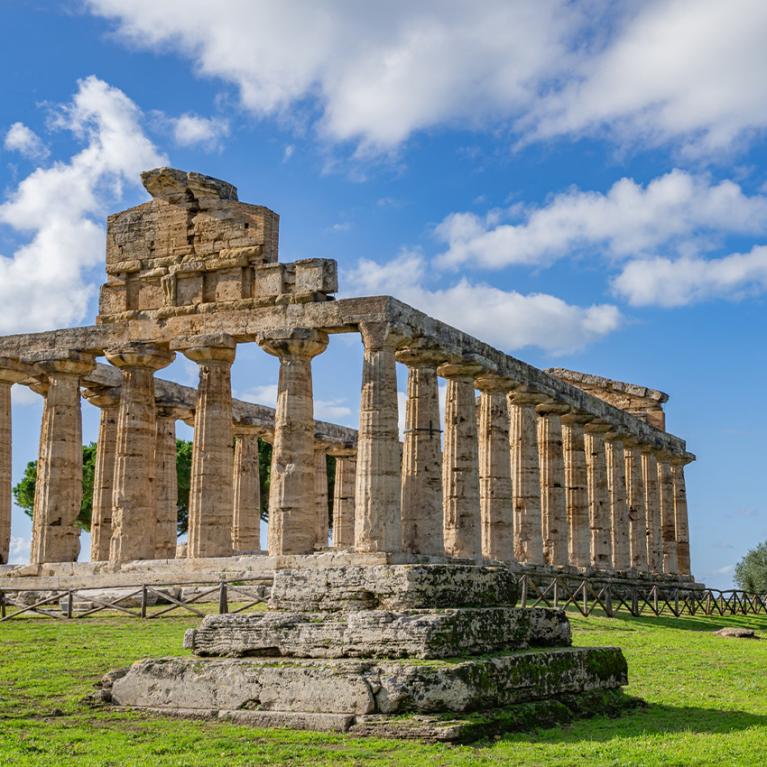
(321, 495)
(496, 508)
(525, 477)
(292, 509)
(210, 488)
(343, 497)
(246, 481)
(619, 510)
(652, 510)
(166, 484)
(108, 401)
(11, 372)
(378, 492)
(59, 488)
(635, 498)
(460, 466)
(552, 466)
(667, 520)
(133, 502)
(576, 489)
(680, 515)
(600, 521)
(421, 495)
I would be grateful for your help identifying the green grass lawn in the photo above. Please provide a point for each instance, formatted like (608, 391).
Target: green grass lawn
(707, 696)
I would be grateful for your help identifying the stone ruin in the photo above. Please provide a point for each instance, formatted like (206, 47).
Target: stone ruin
(541, 472)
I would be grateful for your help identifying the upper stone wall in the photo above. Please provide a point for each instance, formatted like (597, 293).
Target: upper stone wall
(195, 244)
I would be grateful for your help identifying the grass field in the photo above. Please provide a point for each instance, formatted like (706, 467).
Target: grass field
(707, 696)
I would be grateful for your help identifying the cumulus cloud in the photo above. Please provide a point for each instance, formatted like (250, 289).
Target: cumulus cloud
(260, 395)
(507, 319)
(677, 210)
(59, 209)
(324, 409)
(666, 282)
(26, 142)
(687, 71)
(19, 551)
(191, 130)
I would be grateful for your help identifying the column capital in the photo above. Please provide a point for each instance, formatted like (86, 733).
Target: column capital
(523, 397)
(342, 451)
(204, 349)
(102, 396)
(614, 435)
(303, 343)
(552, 408)
(167, 410)
(138, 355)
(494, 383)
(65, 362)
(377, 336)
(597, 427)
(576, 419)
(683, 459)
(240, 429)
(15, 371)
(421, 352)
(468, 366)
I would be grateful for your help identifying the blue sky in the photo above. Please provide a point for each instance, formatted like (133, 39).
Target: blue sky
(581, 184)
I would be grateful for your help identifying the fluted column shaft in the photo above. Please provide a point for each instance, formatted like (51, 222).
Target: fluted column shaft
(166, 484)
(460, 464)
(378, 492)
(576, 490)
(525, 478)
(635, 499)
(292, 510)
(210, 487)
(680, 517)
(133, 501)
(652, 511)
(600, 521)
(496, 510)
(619, 510)
(553, 502)
(343, 498)
(103, 475)
(246, 481)
(421, 495)
(59, 487)
(321, 495)
(667, 519)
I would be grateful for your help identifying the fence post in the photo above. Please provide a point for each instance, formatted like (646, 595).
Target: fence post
(2, 604)
(556, 592)
(676, 602)
(143, 600)
(634, 602)
(223, 602)
(609, 602)
(70, 599)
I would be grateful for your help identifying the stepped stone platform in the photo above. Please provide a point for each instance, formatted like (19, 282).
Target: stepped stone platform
(434, 651)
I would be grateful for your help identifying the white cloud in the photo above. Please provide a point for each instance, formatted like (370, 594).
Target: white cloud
(675, 211)
(19, 551)
(507, 319)
(288, 152)
(42, 284)
(331, 410)
(687, 71)
(23, 395)
(191, 130)
(663, 282)
(26, 142)
(260, 395)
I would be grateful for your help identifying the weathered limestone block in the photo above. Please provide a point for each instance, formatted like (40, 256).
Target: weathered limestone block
(422, 455)
(379, 633)
(58, 492)
(392, 587)
(576, 489)
(636, 506)
(600, 520)
(652, 510)
(619, 512)
(166, 485)
(246, 521)
(291, 490)
(367, 687)
(378, 493)
(552, 467)
(343, 497)
(496, 506)
(667, 518)
(680, 516)
(321, 495)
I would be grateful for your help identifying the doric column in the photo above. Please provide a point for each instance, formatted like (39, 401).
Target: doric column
(619, 510)
(496, 509)
(635, 499)
(343, 497)
(166, 484)
(552, 466)
(133, 501)
(59, 488)
(667, 520)
(11, 372)
(680, 514)
(421, 496)
(576, 489)
(652, 510)
(525, 477)
(321, 494)
(378, 493)
(108, 402)
(460, 466)
(600, 521)
(292, 510)
(246, 481)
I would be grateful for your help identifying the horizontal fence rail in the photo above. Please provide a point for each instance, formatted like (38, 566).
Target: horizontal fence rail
(200, 598)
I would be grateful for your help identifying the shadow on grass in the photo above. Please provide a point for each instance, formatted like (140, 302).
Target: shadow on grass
(703, 623)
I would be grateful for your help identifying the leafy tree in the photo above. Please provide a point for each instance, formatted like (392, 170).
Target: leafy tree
(751, 571)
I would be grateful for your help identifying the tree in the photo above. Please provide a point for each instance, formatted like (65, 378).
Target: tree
(751, 571)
